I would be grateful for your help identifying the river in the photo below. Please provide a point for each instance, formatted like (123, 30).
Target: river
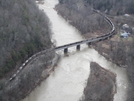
(68, 80)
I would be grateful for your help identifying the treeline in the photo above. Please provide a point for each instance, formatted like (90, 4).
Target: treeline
(122, 53)
(80, 15)
(114, 7)
(28, 79)
(24, 30)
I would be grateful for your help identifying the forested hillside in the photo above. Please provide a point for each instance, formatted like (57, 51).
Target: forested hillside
(80, 15)
(23, 31)
(114, 7)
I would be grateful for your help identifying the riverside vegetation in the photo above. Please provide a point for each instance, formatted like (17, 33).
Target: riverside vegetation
(24, 31)
(100, 84)
(113, 7)
(80, 15)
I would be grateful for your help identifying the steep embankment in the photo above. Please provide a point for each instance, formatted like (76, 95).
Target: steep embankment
(80, 15)
(24, 30)
(113, 7)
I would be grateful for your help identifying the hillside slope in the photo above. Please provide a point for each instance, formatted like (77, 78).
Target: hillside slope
(23, 31)
(113, 7)
(79, 14)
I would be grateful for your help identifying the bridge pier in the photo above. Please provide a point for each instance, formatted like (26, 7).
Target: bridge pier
(100, 40)
(110, 36)
(78, 47)
(65, 50)
(105, 38)
(89, 44)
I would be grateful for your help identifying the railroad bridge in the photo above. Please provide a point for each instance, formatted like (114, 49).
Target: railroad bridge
(79, 43)
(90, 40)
(75, 44)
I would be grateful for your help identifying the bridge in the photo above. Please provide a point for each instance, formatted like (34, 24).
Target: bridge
(75, 44)
(90, 40)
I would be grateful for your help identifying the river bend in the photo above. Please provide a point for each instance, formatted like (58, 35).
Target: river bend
(68, 80)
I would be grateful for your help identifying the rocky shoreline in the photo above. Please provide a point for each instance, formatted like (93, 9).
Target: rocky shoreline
(101, 85)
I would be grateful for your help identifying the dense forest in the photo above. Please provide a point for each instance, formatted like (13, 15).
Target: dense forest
(115, 7)
(80, 15)
(122, 53)
(23, 31)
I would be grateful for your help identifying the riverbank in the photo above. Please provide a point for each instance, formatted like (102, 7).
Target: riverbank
(30, 77)
(118, 52)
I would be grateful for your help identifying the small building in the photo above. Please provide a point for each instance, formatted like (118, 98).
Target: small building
(126, 15)
(124, 34)
(127, 28)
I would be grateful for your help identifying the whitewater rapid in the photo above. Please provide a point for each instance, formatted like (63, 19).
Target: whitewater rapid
(68, 80)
